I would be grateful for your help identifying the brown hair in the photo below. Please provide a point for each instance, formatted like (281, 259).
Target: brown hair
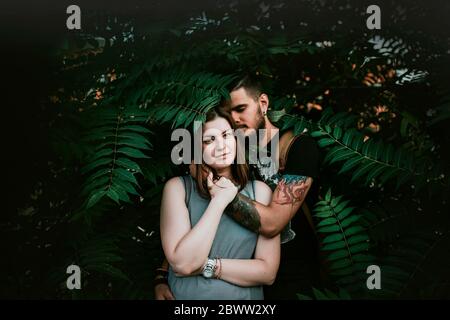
(239, 172)
(251, 84)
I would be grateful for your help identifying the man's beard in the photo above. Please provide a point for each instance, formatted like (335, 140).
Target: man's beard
(260, 121)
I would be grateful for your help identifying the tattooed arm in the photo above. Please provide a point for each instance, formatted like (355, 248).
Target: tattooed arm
(270, 220)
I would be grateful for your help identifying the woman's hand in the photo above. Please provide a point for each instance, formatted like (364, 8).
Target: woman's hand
(222, 190)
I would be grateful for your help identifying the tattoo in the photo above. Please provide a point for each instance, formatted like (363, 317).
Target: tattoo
(244, 212)
(291, 189)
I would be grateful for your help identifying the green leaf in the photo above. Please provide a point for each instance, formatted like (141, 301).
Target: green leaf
(353, 230)
(102, 182)
(135, 153)
(335, 201)
(326, 142)
(326, 222)
(113, 195)
(337, 133)
(343, 263)
(363, 246)
(347, 140)
(362, 170)
(374, 173)
(342, 215)
(333, 238)
(341, 206)
(334, 246)
(319, 295)
(357, 239)
(328, 229)
(337, 255)
(316, 134)
(342, 155)
(134, 143)
(125, 175)
(101, 153)
(303, 297)
(126, 186)
(121, 193)
(334, 151)
(349, 221)
(328, 196)
(94, 198)
(95, 164)
(350, 163)
(128, 164)
(135, 128)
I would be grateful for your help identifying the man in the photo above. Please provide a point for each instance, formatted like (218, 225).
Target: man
(291, 181)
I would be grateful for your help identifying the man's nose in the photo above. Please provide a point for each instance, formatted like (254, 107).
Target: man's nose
(235, 117)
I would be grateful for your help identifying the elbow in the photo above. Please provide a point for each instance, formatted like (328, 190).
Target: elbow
(184, 269)
(270, 274)
(270, 279)
(270, 231)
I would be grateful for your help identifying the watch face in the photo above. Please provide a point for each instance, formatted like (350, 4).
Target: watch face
(208, 271)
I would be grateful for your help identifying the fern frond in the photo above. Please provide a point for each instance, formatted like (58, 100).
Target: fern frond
(368, 160)
(344, 241)
(121, 139)
(183, 98)
(406, 265)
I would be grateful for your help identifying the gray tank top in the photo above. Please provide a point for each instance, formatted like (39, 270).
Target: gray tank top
(231, 242)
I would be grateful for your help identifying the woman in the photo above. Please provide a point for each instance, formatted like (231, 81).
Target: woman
(210, 255)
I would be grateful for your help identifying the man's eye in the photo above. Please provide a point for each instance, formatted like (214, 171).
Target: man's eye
(227, 134)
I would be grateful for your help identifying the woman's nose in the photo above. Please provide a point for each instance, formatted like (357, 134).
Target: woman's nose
(220, 145)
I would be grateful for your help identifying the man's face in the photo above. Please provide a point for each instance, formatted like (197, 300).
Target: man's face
(246, 111)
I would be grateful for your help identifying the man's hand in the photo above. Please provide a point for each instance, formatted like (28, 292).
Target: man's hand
(162, 292)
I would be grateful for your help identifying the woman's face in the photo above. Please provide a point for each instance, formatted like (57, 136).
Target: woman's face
(218, 143)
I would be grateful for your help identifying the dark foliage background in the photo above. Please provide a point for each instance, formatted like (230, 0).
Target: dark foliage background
(88, 115)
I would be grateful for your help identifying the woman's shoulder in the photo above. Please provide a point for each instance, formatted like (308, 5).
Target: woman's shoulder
(175, 183)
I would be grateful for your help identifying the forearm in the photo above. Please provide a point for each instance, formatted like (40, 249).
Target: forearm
(243, 210)
(247, 272)
(193, 249)
(257, 217)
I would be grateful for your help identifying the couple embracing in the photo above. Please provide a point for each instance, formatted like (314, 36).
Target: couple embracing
(222, 225)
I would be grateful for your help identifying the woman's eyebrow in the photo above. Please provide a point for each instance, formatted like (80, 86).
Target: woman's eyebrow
(208, 136)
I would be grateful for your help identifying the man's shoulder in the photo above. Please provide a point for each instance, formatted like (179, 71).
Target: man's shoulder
(302, 156)
(289, 141)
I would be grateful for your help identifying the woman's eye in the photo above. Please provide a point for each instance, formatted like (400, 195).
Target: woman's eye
(208, 141)
(227, 134)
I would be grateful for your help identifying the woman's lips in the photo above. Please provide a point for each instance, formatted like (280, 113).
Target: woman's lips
(223, 155)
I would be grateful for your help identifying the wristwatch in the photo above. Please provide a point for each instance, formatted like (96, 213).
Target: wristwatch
(209, 268)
